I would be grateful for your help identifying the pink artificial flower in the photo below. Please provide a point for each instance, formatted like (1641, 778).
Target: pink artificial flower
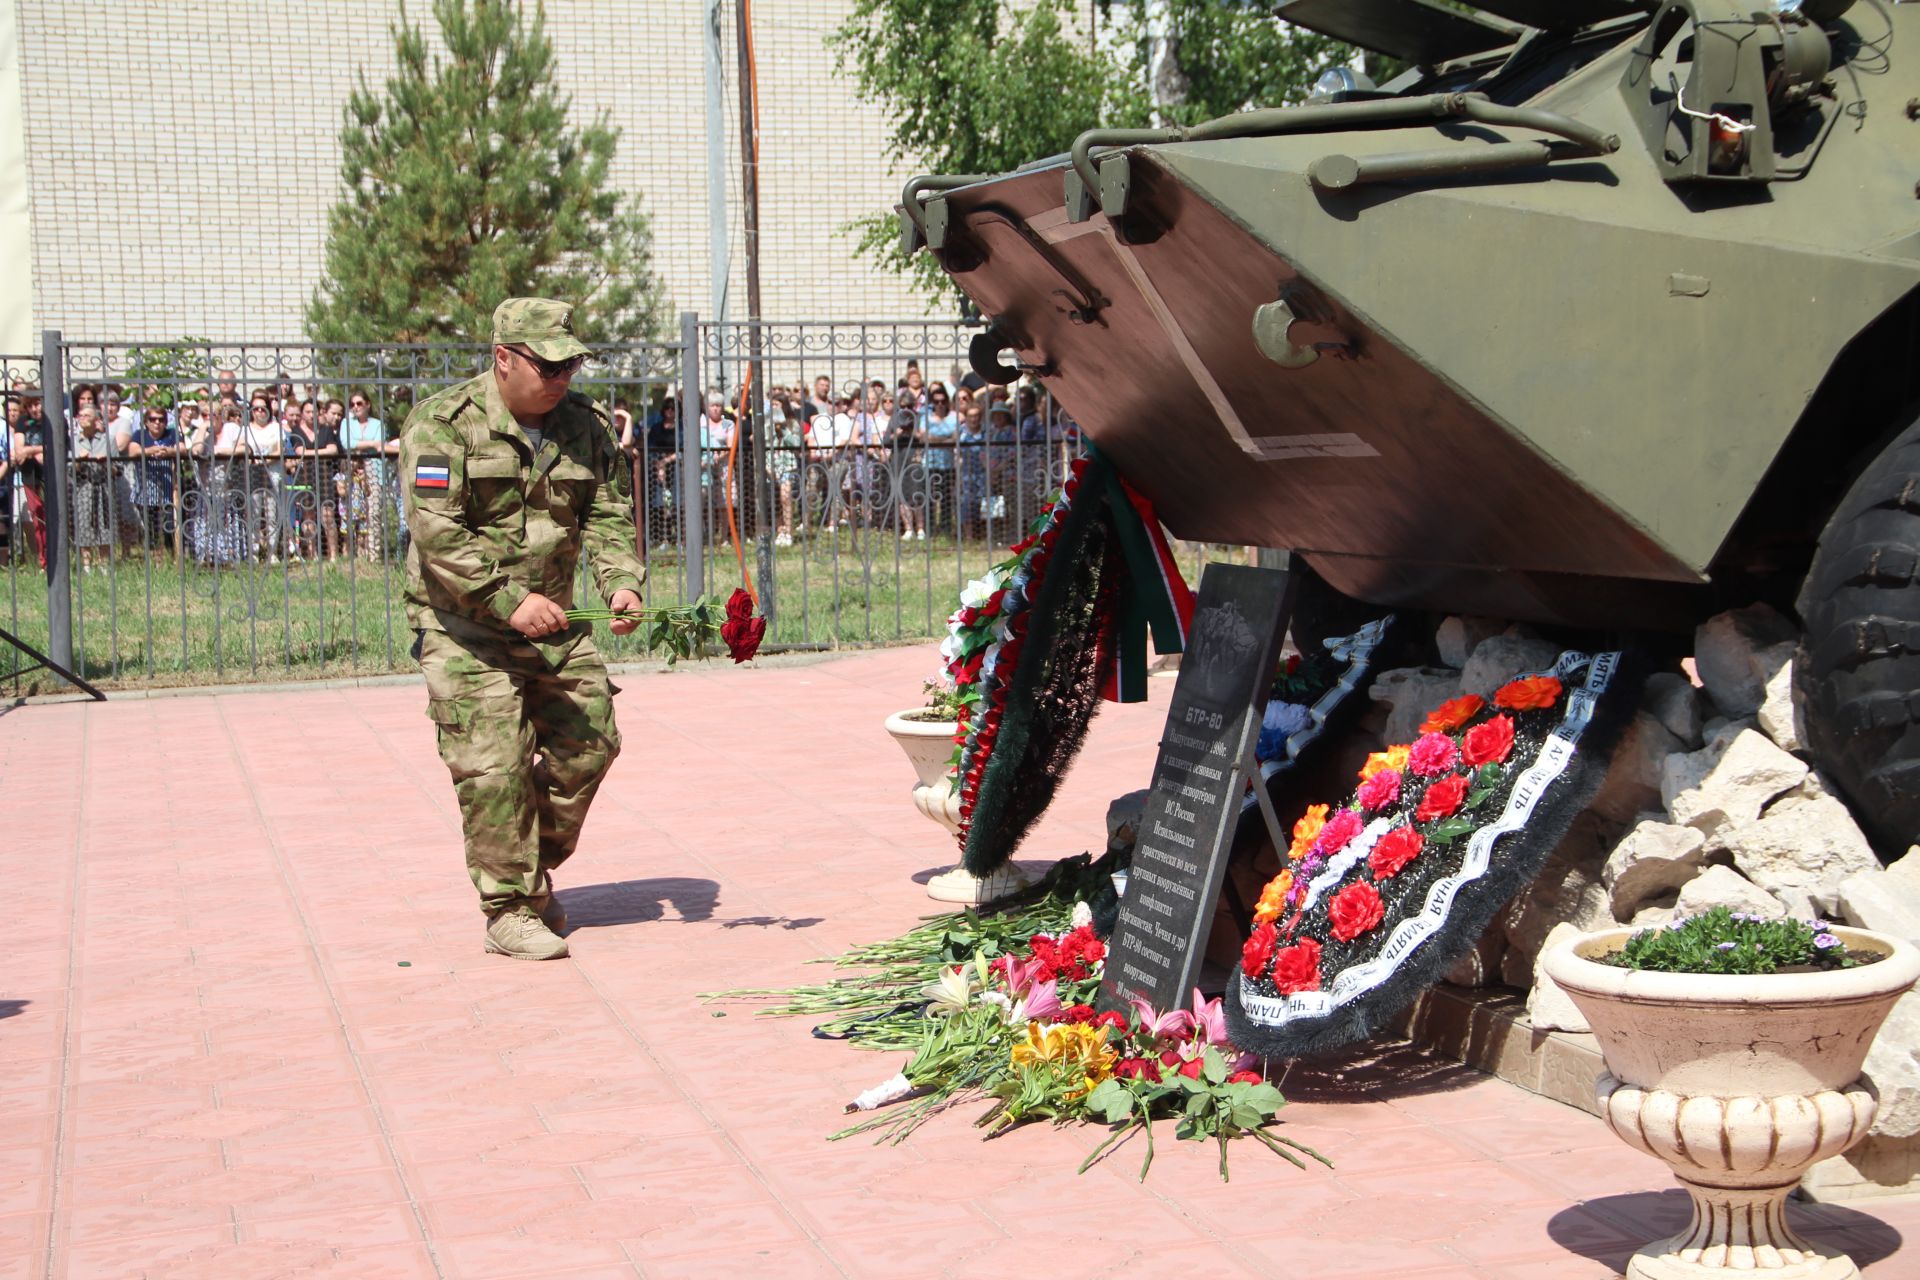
(1432, 754)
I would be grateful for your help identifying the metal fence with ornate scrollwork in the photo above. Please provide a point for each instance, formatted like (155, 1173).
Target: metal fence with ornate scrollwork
(189, 547)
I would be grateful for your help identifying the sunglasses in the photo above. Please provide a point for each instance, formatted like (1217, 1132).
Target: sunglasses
(550, 369)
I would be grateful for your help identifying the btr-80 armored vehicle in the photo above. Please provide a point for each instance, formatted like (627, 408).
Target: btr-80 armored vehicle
(1603, 316)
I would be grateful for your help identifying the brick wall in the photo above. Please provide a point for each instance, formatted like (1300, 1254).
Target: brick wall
(183, 155)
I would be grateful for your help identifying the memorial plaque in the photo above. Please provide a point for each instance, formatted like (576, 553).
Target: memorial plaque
(1186, 833)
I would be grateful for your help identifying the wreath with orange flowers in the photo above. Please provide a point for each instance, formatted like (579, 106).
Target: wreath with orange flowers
(1380, 894)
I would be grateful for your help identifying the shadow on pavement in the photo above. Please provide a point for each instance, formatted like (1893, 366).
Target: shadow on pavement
(10, 1008)
(600, 906)
(1373, 1070)
(1646, 1216)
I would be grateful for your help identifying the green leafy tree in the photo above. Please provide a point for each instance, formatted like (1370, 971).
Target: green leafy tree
(464, 183)
(984, 86)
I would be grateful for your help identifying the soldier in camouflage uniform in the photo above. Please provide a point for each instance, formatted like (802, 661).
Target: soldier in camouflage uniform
(508, 477)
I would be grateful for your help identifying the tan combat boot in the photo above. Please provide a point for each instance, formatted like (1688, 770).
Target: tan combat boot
(552, 914)
(522, 934)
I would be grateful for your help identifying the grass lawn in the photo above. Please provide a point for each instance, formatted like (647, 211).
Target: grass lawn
(141, 624)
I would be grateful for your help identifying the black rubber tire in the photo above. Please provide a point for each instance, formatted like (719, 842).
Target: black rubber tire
(1857, 677)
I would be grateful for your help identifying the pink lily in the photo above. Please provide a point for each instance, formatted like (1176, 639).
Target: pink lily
(1209, 1020)
(1041, 1004)
(1172, 1025)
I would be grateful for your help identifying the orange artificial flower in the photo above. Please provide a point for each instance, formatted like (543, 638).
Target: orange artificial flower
(1273, 899)
(1394, 758)
(1450, 715)
(1528, 693)
(1307, 830)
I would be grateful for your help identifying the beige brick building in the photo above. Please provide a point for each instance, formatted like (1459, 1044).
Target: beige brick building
(180, 156)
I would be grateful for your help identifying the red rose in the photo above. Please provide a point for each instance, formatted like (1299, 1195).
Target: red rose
(1297, 968)
(1077, 1014)
(1258, 950)
(1433, 754)
(1244, 1077)
(1379, 791)
(1293, 664)
(1340, 830)
(1395, 850)
(1355, 910)
(1135, 1069)
(1441, 800)
(1023, 544)
(739, 605)
(743, 636)
(1192, 1068)
(1488, 743)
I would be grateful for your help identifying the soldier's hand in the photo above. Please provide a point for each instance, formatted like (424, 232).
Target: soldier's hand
(538, 616)
(624, 601)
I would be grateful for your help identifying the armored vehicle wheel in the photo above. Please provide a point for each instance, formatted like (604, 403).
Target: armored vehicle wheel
(1857, 679)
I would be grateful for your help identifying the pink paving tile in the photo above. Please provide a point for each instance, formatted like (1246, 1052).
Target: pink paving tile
(513, 1253)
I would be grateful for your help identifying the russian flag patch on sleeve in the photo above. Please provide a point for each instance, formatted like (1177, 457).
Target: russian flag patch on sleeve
(430, 474)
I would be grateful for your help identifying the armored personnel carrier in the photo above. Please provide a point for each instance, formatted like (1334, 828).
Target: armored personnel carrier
(1602, 316)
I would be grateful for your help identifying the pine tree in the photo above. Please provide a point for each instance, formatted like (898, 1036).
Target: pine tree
(464, 183)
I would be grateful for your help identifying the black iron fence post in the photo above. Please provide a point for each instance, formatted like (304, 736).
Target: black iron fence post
(692, 458)
(55, 487)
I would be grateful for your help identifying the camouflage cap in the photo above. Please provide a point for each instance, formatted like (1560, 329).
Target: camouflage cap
(542, 325)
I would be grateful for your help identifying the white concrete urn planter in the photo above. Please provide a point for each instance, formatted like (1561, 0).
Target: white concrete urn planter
(1740, 1083)
(929, 748)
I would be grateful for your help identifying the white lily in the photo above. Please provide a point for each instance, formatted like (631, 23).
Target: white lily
(951, 992)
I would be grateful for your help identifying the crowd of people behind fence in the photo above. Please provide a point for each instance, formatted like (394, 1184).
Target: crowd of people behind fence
(221, 475)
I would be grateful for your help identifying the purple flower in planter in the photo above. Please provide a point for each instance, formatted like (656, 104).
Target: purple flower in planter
(1824, 941)
(1725, 946)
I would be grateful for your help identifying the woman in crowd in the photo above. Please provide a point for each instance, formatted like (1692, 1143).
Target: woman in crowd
(939, 426)
(784, 443)
(971, 443)
(92, 488)
(264, 446)
(906, 470)
(215, 523)
(153, 444)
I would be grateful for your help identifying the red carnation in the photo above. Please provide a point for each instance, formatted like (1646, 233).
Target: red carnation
(1355, 910)
(1379, 791)
(1110, 1020)
(1488, 743)
(1443, 798)
(1259, 950)
(1297, 968)
(1395, 850)
(1432, 754)
(1340, 830)
(1077, 1014)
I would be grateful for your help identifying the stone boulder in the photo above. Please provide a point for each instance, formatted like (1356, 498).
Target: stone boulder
(1549, 1007)
(1632, 783)
(1412, 692)
(1725, 887)
(1498, 659)
(1727, 652)
(1805, 842)
(1568, 890)
(1655, 858)
(1480, 967)
(1732, 779)
(1893, 1064)
(1458, 637)
(1675, 703)
(1778, 716)
(1883, 902)
(1124, 815)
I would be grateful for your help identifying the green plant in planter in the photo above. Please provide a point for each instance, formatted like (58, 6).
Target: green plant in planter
(945, 699)
(1725, 941)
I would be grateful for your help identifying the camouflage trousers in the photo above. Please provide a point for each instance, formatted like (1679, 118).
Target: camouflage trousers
(527, 745)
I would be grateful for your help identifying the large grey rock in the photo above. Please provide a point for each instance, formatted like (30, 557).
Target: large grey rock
(1726, 652)
(1653, 859)
(1549, 1007)
(1675, 703)
(1731, 779)
(1412, 692)
(1893, 1064)
(1479, 967)
(1498, 659)
(1632, 784)
(1123, 818)
(1725, 887)
(1458, 637)
(1882, 902)
(1568, 889)
(1779, 718)
(1805, 841)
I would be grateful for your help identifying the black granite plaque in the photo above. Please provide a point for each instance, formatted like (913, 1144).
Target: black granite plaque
(1186, 833)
